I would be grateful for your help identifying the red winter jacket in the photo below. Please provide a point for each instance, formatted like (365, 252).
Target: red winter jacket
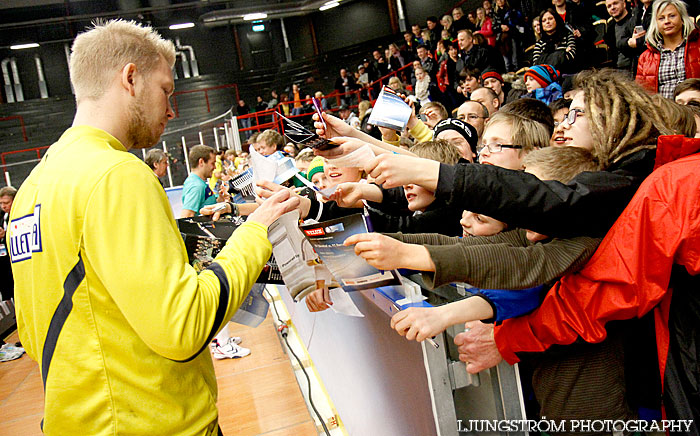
(648, 64)
(487, 32)
(649, 260)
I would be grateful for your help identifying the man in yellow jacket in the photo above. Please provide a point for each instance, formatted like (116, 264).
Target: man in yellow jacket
(106, 302)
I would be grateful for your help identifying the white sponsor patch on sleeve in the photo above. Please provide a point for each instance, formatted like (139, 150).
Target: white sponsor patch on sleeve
(25, 236)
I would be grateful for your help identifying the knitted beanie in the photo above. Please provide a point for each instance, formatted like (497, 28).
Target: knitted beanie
(467, 131)
(543, 74)
(315, 167)
(491, 73)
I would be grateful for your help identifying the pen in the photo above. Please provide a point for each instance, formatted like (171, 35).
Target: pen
(220, 206)
(430, 340)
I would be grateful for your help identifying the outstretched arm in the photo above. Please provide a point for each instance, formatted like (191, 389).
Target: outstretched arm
(628, 275)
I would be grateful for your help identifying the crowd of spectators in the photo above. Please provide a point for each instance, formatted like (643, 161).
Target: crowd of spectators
(518, 159)
(527, 48)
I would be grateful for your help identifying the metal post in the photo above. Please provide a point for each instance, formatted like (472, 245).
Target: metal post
(201, 138)
(216, 139)
(235, 135)
(170, 175)
(19, 95)
(402, 16)
(9, 92)
(143, 152)
(185, 64)
(227, 135)
(7, 178)
(187, 159)
(66, 50)
(233, 122)
(40, 74)
(287, 49)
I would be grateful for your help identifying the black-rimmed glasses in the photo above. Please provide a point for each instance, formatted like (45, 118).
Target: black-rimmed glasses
(572, 115)
(496, 147)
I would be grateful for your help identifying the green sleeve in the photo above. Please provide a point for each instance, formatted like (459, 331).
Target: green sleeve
(192, 196)
(507, 265)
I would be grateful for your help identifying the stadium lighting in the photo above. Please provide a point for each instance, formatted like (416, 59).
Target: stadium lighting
(329, 5)
(22, 46)
(180, 26)
(257, 16)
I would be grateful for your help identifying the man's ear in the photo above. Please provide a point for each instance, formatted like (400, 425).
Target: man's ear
(128, 78)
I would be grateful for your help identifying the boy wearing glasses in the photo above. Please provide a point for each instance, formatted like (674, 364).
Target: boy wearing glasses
(497, 148)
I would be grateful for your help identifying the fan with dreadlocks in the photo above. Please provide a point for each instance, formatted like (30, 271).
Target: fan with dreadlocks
(624, 118)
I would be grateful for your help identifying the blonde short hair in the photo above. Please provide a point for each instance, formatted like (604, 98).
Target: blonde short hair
(271, 137)
(437, 149)
(439, 107)
(528, 133)
(560, 163)
(101, 52)
(305, 155)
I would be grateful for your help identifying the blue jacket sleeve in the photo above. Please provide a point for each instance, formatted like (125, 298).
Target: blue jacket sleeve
(512, 304)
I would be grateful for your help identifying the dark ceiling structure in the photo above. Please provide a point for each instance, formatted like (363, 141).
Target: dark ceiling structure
(47, 21)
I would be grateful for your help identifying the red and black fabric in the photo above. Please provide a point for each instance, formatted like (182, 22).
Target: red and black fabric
(648, 262)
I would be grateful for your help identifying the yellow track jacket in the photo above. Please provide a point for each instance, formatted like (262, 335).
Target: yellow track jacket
(107, 304)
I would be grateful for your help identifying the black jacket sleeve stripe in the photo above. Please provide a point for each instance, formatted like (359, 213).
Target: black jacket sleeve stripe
(224, 294)
(64, 308)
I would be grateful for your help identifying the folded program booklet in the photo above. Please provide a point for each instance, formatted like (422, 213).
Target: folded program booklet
(351, 271)
(390, 111)
(205, 238)
(288, 246)
(300, 135)
(276, 167)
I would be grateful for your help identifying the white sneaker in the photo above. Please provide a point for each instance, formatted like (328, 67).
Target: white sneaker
(213, 345)
(229, 351)
(232, 340)
(235, 340)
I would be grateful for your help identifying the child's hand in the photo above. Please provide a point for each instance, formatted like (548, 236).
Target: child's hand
(413, 119)
(319, 300)
(419, 323)
(391, 170)
(388, 134)
(266, 188)
(380, 251)
(351, 194)
(334, 126)
(348, 194)
(385, 253)
(347, 145)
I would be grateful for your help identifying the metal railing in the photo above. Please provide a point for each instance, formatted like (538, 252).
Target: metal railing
(21, 123)
(338, 97)
(218, 132)
(206, 95)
